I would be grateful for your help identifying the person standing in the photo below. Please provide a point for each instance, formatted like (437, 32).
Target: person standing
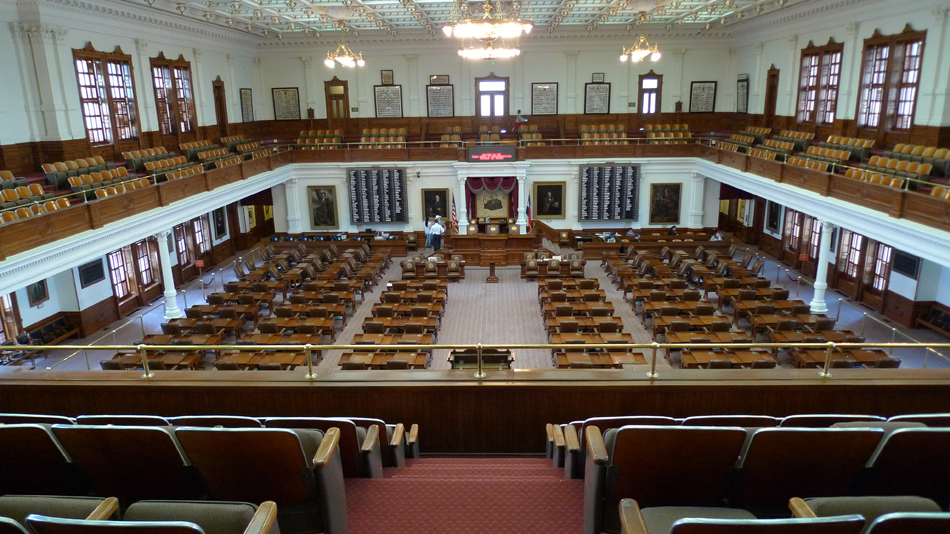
(436, 230)
(428, 228)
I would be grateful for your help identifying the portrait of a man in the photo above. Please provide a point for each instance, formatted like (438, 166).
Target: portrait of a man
(665, 203)
(773, 217)
(435, 202)
(37, 293)
(220, 223)
(549, 200)
(323, 213)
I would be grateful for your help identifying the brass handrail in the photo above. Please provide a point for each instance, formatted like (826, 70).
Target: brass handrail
(143, 349)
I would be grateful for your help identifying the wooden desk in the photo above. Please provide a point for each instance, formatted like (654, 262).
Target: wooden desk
(762, 322)
(584, 324)
(240, 286)
(394, 339)
(325, 325)
(228, 325)
(599, 360)
(511, 247)
(698, 359)
(377, 360)
(580, 308)
(816, 357)
(405, 310)
(577, 295)
(243, 310)
(251, 360)
(397, 325)
(171, 360)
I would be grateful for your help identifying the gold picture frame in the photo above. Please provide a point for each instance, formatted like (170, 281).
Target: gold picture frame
(548, 200)
(323, 207)
(432, 207)
(665, 200)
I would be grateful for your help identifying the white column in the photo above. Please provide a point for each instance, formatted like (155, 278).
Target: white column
(794, 53)
(571, 96)
(462, 205)
(412, 84)
(309, 85)
(172, 311)
(198, 83)
(522, 199)
(148, 117)
(293, 207)
(696, 205)
(261, 112)
(821, 276)
(757, 80)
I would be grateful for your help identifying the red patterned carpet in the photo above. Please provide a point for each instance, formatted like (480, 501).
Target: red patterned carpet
(467, 495)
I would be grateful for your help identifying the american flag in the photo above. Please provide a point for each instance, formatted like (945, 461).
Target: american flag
(455, 216)
(528, 213)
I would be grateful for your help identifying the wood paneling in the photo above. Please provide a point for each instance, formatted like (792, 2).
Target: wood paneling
(806, 179)
(185, 187)
(95, 317)
(42, 229)
(770, 245)
(873, 196)
(505, 413)
(17, 158)
(903, 310)
(110, 209)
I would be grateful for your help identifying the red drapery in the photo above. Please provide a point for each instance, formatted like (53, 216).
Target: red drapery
(502, 184)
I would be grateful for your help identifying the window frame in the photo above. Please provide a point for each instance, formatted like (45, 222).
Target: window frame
(881, 269)
(120, 274)
(144, 263)
(174, 96)
(881, 86)
(478, 96)
(821, 85)
(183, 249)
(117, 126)
(200, 230)
(658, 93)
(814, 241)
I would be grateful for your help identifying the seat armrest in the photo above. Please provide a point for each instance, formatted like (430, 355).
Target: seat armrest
(557, 436)
(329, 445)
(573, 461)
(104, 510)
(595, 445)
(800, 508)
(398, 434)
(570, 439)
(412, 442)
(371, 440)
(631, 520)
(263, 518)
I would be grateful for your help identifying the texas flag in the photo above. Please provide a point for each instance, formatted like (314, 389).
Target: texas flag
(528, 213)
(455, 216)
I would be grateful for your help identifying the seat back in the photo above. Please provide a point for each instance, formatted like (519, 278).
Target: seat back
(33, 462)
(130, 462)
(40, 524)
(824, 420)
(781, 463)
(744, 421)
(349, 439)
(606, 423)
(225, 421)
(917, 523)
(912, 461)
(849, 524)
(651, 463)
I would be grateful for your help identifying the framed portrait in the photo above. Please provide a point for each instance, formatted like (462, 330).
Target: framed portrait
(323, 211)
(268, 212)
(386, 77)
(773, 217)
(37, 293)
(220, 220)
(251, 217)
(91, 273)
(439, 79)
(435, 202)
(493, 204)
(597, 77)
(665, 203)
(548, 200)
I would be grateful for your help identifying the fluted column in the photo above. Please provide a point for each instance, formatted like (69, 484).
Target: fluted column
(821, 276)
(696, 204)
(172, 311)
(462, 205)
(291, 191)
(522, 199)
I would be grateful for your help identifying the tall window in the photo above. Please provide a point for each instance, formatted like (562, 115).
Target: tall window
(851, 253)
(492, 96)
(651, 89)
(890, 78)
(144, 263)
(174, 97)
(106, 95)
(120, 272)
(818, 84)
(181, 246)
(814, 243)
(793, 229)
(882, 267)
(202, 235)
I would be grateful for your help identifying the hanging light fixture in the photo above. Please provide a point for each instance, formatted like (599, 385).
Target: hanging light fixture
(344, 56)
(489, 52)
(492, 25)
(640, 51)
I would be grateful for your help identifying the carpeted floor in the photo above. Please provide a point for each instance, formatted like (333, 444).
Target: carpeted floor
(471, 495)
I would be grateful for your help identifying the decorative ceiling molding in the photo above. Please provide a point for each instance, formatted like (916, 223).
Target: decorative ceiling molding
(790, 15)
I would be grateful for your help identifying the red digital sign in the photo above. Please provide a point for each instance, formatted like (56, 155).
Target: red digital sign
(491, 153)
(492, 156)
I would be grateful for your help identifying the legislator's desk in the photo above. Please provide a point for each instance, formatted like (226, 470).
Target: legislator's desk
(324, 324)
(251, 360)
(505, 249)
(579, 308)
(697, 359)
(240, 286)
(599, 360)
(397, 325)
(584, 324)
(377, 360)
(171, 360)
(220, 324)
(816, 357)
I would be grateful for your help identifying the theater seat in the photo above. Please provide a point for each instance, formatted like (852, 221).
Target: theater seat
(18, 507)
(870, 508)
(359, 447)
(170, 517)
(299, 470)
(34, 463)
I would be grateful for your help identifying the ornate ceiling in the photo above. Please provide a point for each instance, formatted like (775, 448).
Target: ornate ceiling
(294, 19)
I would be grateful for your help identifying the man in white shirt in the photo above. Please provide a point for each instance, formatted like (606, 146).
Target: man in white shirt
(436, 231)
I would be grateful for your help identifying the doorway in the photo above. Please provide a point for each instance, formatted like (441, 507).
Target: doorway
(771, 95)
(491, 102)
(220, 106)
(338, 103)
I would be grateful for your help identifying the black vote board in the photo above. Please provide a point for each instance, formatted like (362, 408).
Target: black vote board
(377, 195)
(609, 193)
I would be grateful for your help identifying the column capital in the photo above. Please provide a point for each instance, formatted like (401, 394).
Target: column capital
(792, 40)
(826, 226)
(292, 181)
(197, 53)
(258, 62)
(141, 46)
(307, 60)
(162, 234)
(759, 48)
(229, 58)
(522, 177)
(679, 53)
(412, 59)
(698, 177)
(851, 29)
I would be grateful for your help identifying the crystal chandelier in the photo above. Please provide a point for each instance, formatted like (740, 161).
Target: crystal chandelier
(344, 56)
(640, 51)
(493, 25)
(489, 52)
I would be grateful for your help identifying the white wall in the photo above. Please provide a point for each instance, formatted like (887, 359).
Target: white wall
(62, 297)
(95, 293)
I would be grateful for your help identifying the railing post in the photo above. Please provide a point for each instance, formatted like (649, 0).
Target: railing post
(114, 339)
(838, 313)
(310, 374)
(142, 323)
(798, 288)
(184, 296)
(890, 350)
(86, 356)
(864, 323)
(481, 373)
(653, 373)
(142, 351)
(825, 373)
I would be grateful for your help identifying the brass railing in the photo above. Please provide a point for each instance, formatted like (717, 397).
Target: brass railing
(654, 348)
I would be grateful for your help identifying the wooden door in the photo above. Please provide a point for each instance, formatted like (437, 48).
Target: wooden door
(491, 102)
(220, 106)
(338, 103)
(771, 95)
